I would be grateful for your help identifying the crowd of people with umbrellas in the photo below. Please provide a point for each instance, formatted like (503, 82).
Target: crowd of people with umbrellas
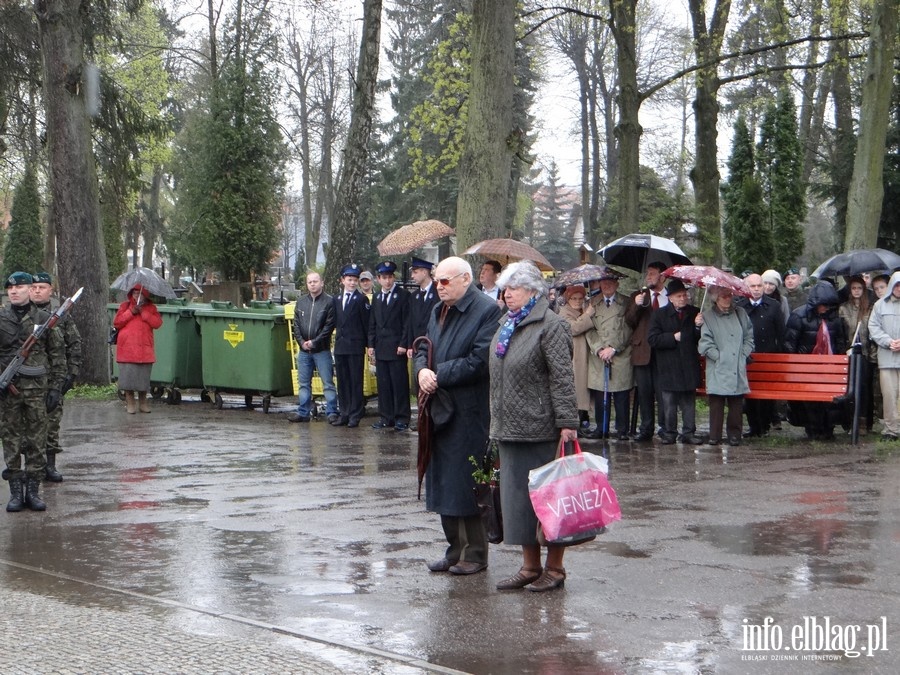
(628, 351)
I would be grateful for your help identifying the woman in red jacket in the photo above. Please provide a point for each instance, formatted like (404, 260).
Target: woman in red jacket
(136, 320)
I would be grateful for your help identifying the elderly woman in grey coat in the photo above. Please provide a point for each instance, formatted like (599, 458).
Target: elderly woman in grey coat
(726, 340)
(533, 410)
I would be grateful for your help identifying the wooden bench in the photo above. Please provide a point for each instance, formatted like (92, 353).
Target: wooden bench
(795, 377)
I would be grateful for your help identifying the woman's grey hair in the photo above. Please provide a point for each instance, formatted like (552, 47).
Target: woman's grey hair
(523, 274)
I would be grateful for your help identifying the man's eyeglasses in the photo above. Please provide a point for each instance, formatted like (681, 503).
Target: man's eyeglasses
(445, 281)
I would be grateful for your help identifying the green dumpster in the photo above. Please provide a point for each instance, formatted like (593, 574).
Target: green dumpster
(177, 346)
(245, 351)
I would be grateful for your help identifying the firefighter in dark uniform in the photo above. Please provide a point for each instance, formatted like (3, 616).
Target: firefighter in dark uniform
(388, 334)
(351, 321)
(41, 292)
(422, 301)
(23, 415)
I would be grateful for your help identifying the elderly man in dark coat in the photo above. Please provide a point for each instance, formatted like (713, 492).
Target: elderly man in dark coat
(673, 335)
(461, 328)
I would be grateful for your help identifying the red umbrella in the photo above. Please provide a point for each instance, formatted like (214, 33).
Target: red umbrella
(707, 276)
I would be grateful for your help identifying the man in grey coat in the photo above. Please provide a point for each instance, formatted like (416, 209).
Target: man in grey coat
(460, 328)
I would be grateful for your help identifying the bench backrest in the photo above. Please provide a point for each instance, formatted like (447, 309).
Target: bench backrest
(795, 377)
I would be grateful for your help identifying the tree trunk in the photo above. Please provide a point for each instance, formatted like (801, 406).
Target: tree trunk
(809, 134)
(705, 174)
(345, 225)
(628, 130)
(75, 208)
(844, 137)
(485, 164)
(867, 186)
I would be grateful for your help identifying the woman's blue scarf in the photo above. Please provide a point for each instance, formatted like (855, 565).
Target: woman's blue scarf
(512, 320)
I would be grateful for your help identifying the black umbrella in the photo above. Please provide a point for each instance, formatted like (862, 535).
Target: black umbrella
(143, 277)
(857, 262)
(635, 251)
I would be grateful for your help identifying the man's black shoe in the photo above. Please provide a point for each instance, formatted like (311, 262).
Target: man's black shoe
(381, 424)
(295, 418)
(691, 439)
(623, 436)
(643, 437)
(667, 439)
(352, 424)
(401, 426)
(734, 441)
(338, 422)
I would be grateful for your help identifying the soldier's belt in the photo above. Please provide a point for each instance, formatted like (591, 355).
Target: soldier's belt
(32, 371)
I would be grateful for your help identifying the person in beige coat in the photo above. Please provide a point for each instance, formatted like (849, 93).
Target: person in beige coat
(609, 356)
(579, 317)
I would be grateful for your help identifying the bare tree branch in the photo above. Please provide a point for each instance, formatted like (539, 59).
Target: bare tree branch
(748, 52)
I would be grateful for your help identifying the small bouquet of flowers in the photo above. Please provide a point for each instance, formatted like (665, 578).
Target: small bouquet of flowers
(487, 492)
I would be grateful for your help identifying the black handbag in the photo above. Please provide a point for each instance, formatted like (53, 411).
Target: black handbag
(487, 496)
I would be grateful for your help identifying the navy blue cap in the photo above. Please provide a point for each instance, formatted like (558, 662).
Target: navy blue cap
(42, 278)
(352, 270)
(791, 270)
(422, 264)
(19, 279)
(386, 267)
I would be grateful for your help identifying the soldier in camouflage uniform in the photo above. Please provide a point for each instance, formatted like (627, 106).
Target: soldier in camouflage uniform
(41, 291)
(23, 415)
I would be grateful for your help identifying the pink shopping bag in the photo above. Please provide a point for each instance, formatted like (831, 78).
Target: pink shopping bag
(572, 496)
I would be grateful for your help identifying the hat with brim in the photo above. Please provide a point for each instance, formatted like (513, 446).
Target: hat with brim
(675, 286)
(351, 270)
(42, 278)
(418, 263)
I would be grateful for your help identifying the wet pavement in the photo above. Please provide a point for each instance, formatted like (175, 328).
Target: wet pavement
(203, 540)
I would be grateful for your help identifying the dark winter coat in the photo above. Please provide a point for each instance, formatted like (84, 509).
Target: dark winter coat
(676, 361)
(460, 361)
(803, 326)
(389, 324)
(351, 324)
(420, 305)
(768, 323)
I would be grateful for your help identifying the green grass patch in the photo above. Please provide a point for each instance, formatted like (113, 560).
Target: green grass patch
(93, 392)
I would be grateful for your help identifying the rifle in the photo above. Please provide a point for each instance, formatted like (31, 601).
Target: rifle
(6, 377)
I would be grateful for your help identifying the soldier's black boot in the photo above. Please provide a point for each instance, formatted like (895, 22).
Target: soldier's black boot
(15, 502)
(32, 498)
(52, 474)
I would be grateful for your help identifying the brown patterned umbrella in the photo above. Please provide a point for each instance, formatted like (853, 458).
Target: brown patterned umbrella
(505, 250)
(415, 235)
